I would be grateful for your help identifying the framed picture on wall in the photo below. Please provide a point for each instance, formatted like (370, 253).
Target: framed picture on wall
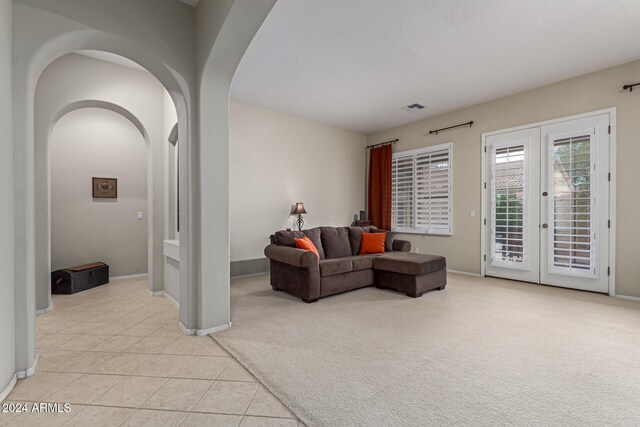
(105, 188)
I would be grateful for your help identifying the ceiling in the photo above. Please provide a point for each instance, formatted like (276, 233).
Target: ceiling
(354, 64)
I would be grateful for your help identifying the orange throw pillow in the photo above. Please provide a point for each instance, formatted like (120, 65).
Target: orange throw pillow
(306, 243)
(372, 243)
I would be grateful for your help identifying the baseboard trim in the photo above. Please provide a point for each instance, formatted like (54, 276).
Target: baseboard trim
(627, 297)
(30, 371)
(172, 299)
(4, 393)
(155, 293)
(249, 267)
(186, 330)
(44, 310)
(250, 275)
(464, 273)
(130, 276)
(202, 332)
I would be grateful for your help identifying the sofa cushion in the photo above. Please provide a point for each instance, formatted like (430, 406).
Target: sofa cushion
(335, 242)
(388, 242)
(345, 282)
(333, 267)
(286, 238)
(306, 244)
(372, 243)
(408, 263)
(362, 262)
(355, 237)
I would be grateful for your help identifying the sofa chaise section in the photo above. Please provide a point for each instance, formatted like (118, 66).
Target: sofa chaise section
(412, 274)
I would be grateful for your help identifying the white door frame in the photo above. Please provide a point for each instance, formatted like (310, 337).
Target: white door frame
(612, 185)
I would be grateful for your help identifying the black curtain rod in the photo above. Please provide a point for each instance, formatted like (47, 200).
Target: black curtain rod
(451, 127)
(382, 143)
(630, 87)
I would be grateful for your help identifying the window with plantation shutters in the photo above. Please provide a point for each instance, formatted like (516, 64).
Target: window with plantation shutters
(421, 188)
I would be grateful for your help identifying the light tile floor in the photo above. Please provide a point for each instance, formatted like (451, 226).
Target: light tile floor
(116, 354)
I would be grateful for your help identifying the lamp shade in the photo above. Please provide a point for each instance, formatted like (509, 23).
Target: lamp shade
(299, 209)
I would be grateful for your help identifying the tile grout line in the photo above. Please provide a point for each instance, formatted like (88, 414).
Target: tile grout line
(148, 376)
(252, 399)
(202, 397)
(191, 356)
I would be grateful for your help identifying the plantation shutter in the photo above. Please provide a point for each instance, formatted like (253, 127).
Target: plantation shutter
(422, 190)
(509, 200)
(573, 206)
(402, 192)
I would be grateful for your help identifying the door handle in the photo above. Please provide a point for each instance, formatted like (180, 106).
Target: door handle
(545, 225)
(544, 193)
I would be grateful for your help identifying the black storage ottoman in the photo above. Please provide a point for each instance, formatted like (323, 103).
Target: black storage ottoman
(79, 278)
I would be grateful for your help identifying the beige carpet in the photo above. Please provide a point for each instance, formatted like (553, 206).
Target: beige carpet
(483, 352)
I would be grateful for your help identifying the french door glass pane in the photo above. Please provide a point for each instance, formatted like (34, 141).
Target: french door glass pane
(509, 210)
(573, 198)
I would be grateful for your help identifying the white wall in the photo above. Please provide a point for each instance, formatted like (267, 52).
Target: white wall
(95, 142)
(7, 326)
(591, 92)
(75, 78)
(277, 160)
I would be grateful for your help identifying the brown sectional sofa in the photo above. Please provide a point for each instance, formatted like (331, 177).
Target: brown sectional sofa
(341, 269)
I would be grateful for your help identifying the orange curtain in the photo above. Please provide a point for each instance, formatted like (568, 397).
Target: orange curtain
(379, 204)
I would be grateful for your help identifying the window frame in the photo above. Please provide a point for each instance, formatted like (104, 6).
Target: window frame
(448, 147)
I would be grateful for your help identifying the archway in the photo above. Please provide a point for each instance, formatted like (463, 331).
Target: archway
(133, 93)
(95, 103)
(43, 241)
(195, 61)
(98, 142)
(33, 260)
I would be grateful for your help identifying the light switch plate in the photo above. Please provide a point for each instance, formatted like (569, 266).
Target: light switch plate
(472, 213)
(139, 216)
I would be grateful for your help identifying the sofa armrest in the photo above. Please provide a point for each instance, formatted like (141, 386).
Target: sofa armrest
(291, 256)
(401, 245)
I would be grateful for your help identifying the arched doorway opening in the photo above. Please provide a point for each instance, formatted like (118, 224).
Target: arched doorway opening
(137, 96)
(89, 142)
(33, 264)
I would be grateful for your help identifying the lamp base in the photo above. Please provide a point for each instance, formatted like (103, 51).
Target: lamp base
(299, 222)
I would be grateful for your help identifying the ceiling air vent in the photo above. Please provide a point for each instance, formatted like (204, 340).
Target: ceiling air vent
(413, 107)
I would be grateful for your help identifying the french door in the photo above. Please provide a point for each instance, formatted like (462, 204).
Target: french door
(548, 203)
(514, 208)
